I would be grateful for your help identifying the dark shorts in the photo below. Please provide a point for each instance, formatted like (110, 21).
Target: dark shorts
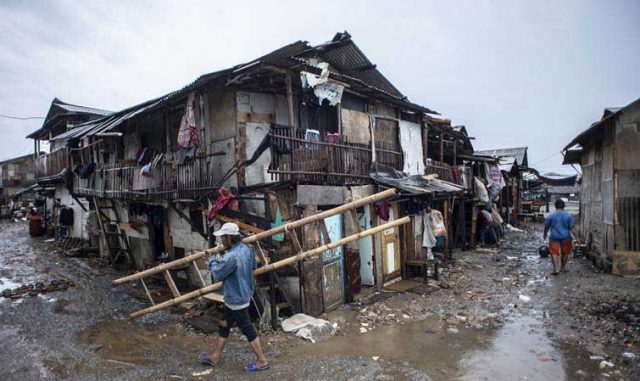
(242, 319)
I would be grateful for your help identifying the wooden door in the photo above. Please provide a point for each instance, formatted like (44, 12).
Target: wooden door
(366, 249)
(391, 249)
(333, 267)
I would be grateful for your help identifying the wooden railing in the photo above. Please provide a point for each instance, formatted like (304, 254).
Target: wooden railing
(294, 157)
(165, 181)
(444, 171)
(51, 164)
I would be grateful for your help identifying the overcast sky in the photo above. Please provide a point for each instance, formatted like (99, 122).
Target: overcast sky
(516, 73)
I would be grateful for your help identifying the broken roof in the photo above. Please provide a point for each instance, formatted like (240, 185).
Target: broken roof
(608, 115)
(416, 185)
(59, 109)
(347, 63)
(518, 154)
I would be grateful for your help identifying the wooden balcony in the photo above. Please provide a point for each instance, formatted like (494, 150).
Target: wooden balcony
(165, 181)
(297, 159)
(52, 164)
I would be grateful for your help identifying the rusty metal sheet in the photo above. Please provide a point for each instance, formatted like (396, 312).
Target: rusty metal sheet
(332, 285)
(312, 286)
(352, 270)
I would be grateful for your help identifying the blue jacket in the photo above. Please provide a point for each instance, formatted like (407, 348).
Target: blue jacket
(235, 270)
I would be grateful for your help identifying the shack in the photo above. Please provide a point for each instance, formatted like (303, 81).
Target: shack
(608, 153)
(16, 174)
(50, 168)
(512, 163)
(289, 134)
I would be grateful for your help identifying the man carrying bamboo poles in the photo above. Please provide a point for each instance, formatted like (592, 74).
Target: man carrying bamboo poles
(235, 269)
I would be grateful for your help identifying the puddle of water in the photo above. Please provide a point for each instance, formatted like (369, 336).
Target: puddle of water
(7, 284)
(426, 344)
(521, 351)
(135, 344)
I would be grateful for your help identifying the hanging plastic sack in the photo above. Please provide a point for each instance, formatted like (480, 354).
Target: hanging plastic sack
(437, 222)
(481, 190)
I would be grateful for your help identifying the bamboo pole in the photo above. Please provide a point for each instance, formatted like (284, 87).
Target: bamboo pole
(272, 266)
(256, 237)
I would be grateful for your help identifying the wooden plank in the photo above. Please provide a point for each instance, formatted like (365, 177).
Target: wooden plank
(261, 253)
(197, 270)
(171, 284)
(242, 225)
(354, 220)
(255, 117)
(215, 297)
(311, 279)
(146, 290)
(295, 241)
(168, 241)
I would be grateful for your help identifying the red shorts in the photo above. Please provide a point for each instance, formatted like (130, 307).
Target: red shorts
(555, 247)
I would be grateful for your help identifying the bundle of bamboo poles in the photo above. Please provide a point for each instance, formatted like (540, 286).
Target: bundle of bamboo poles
(272, 266)
(263, 235)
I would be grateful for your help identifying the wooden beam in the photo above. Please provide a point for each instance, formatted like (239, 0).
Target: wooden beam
(242, 225)
(354, 219)
(197, 270)
(292, 118)
(172, 286)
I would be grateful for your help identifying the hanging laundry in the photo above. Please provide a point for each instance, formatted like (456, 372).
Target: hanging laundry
(188, 133)
(225, 197)
(382, 209)
(333, 138)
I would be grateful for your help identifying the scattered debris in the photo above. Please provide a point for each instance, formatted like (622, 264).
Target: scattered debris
(606, 364)
(629, 356)
(309, 328)
(203, 373)
(34, 289)
(524, 298)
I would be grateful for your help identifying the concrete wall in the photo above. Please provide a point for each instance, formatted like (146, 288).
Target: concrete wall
(78, 229)
(182, 234)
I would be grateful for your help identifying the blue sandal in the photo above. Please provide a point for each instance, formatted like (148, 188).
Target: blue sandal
(204, 358)
(253, 368)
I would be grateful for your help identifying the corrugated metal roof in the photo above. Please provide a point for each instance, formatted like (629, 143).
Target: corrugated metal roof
(80, 109)
(116, 119)
(341, 53)
(609, 114)
(387, 175)
(518, 153)
(59, 110)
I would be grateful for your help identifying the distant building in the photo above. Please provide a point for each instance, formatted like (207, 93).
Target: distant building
(610, 195)
(15, 175)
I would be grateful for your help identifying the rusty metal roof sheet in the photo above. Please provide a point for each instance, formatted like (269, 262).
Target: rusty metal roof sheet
(348, 63)
(519, 154)
(608, 115)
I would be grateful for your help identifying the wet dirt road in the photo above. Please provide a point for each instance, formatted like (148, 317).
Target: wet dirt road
(498, 316)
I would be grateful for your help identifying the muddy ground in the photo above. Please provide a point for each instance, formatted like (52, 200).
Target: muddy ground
(494, 315)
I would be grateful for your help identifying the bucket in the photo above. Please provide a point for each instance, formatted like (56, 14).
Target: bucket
(35, 226)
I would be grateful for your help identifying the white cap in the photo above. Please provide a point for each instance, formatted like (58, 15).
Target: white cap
(228, 228)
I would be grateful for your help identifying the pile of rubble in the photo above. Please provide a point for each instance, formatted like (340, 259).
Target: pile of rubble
(34, 289)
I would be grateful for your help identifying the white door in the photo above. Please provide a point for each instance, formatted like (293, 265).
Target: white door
(366, 249)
